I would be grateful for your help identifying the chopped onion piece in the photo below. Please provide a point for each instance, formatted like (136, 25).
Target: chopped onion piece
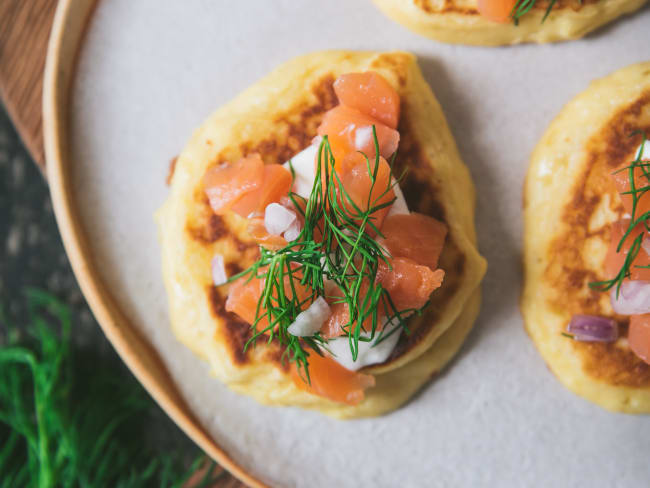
(369, 352)
(591, 328)
(363, 137)
(309, 321)
(304, 169)
(219, 275)
(278, 219)
(292, 233)
(399, 206)
(633, 298)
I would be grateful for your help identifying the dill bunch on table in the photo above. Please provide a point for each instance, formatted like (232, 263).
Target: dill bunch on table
(70, 417)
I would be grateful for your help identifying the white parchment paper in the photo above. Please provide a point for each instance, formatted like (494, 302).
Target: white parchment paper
(151, 71)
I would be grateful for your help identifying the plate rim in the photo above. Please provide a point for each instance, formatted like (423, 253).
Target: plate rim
(71, 21)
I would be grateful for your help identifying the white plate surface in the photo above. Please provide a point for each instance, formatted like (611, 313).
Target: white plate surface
(151, 71)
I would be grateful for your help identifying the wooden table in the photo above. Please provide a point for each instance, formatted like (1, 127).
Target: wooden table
(24, 31)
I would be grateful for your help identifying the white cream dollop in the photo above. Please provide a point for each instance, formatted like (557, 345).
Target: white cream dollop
(369, 352)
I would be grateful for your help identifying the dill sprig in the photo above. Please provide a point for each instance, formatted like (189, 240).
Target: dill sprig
(59, 429)
(522, 7)
(337, 246)
(635, 221)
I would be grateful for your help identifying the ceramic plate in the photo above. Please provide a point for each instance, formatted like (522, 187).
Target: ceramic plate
(149, 72)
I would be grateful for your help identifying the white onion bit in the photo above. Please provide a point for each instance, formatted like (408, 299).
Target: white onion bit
(304, 169)
(633, 298)
(399, 206)
(219, 275)
(309, 321)
(277, 218)
(292, 233)
(362, 137)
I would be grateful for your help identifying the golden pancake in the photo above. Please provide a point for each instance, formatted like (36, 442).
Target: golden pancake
(458, 21)
(570, 205)
(277, 117)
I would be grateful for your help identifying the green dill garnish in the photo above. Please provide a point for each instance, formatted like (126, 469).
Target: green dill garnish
(566, 334)
(336, 244)
(635, 221)
(522, 7)
(68, 419)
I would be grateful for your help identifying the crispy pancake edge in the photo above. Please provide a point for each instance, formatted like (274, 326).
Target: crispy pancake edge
(459, 22)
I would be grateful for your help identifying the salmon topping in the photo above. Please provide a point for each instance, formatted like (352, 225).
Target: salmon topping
(363, 193)
(331, 380)
(276, 182)
(496, 10)
(615, 259)
(371, 94)
(349, 130)
(409, 284)
(638, 336)
(228, 183)
(414, 236)
(621, 180)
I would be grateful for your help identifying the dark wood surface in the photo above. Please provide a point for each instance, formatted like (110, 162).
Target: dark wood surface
(24, 32)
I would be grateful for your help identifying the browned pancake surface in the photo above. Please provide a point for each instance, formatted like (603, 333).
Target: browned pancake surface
(568, 272)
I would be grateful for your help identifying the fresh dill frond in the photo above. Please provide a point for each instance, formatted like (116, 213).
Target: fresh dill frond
(67, 418)
(635, 221)
(337, 245)
(522, 7)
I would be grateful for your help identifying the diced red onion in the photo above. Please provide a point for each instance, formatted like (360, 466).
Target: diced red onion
(292, 233)
(633, 298)
(309, 321)
(219, 275)
(591, 328)
(278, 218)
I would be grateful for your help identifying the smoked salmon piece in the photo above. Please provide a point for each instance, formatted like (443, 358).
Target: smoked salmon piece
(622, 182)
(350, 130)
(244, 295)
(340, 315)
(496, 10)
(357, 182)
(370, 94)
(408, 283)
(414, 236)
(243, 298)
(331, 380)
(228, 183)
(276, 182)
(615, 260)
(257, 230)
(638, 336)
